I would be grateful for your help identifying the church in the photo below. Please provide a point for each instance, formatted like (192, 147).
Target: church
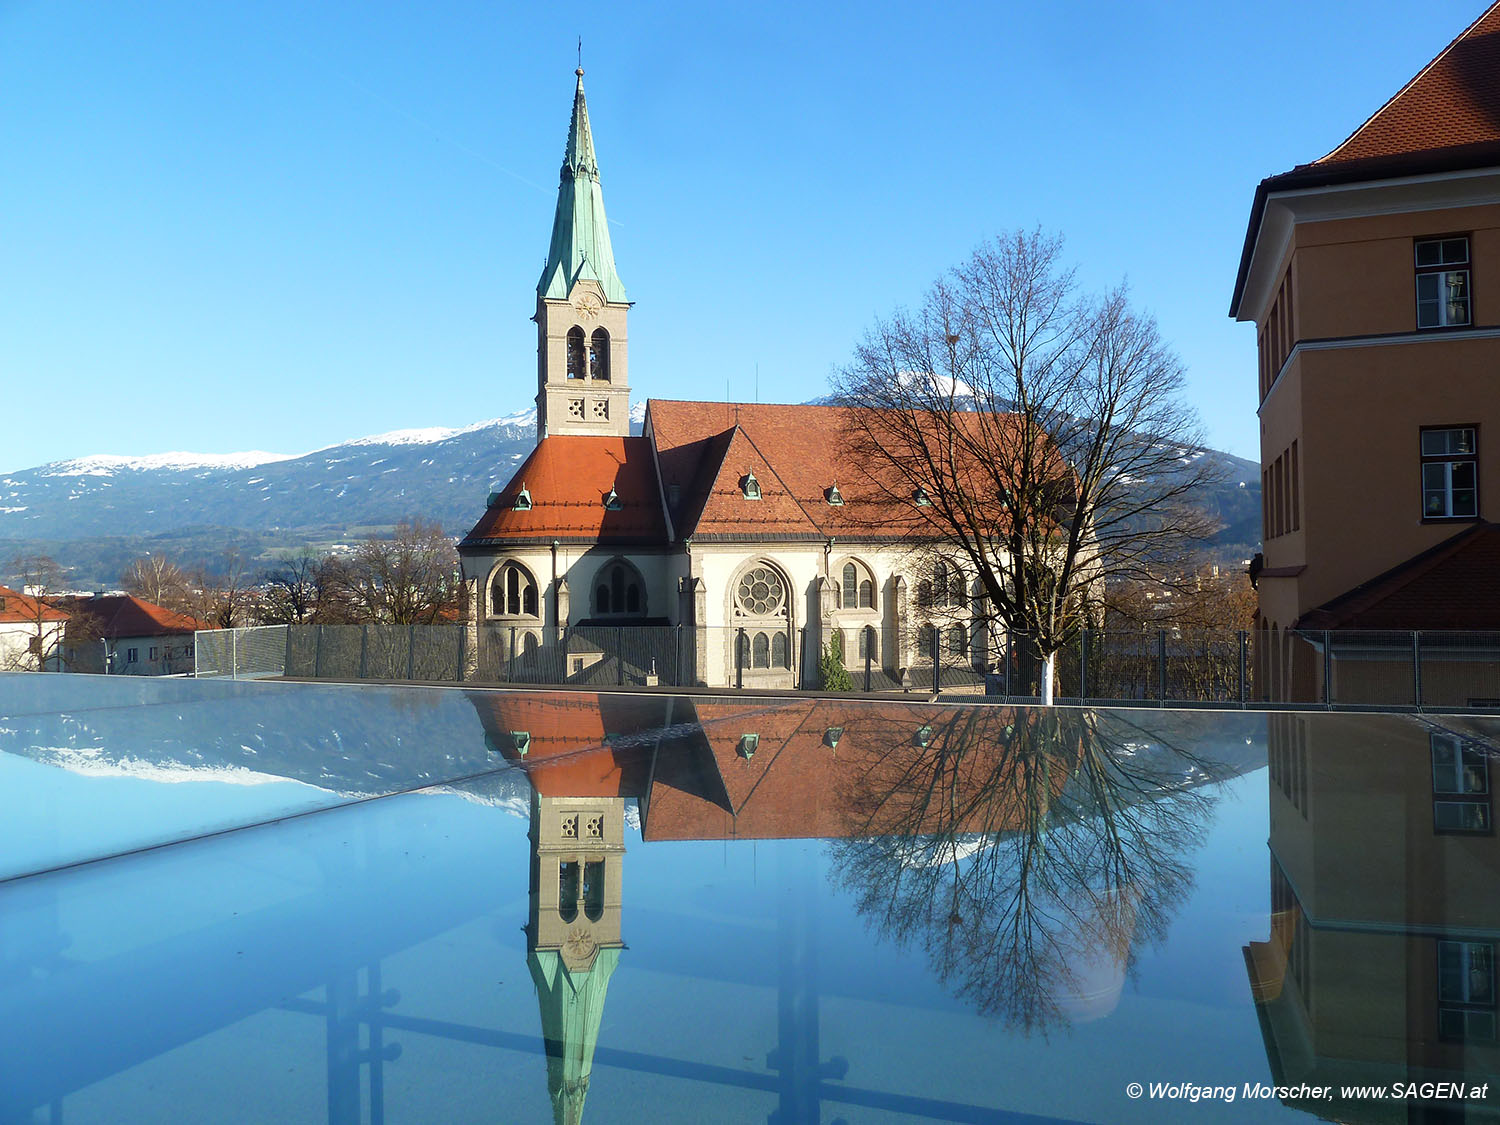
(739, 525)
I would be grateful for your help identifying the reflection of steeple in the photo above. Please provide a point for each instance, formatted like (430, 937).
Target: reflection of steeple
(573, 933)
(572, 1005)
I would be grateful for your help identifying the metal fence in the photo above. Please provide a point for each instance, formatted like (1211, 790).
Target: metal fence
(1213, 668)
(241, 653)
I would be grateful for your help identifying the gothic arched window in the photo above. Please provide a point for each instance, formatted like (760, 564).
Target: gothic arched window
(925, 636)
(514, 593)
(778, 650)
(760, 651)
(867, 594)
(957, 645)
(599, 355)
(851, 586)
(940, 582)
(619, 591)
(577, 360)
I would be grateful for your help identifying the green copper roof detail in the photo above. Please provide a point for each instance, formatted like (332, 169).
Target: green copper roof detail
(580, 232)
(572, 1005)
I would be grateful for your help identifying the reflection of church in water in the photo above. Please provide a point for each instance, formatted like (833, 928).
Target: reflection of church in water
(709, 769)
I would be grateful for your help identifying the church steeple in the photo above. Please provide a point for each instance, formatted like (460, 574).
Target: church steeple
(580, 233)
(581, 303)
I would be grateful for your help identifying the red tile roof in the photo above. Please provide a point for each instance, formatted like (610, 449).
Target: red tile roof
(16, 607)
(1450, 586)
(568, 478)
(706, 449)
(122, 615)
(1447, 118)
(1451, 102)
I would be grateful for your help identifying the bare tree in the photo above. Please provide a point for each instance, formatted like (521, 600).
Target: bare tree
(221, 598)
(411, 578)
(1023, 851)
(159, 580)
(291, 592)
(1034, 434)
(38, 579)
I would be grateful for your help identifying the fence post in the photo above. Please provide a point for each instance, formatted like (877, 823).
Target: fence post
(1416, 668)
(799, 674)
(510, 674)
(869, 657)
(937, 675)
(411, 652)
(619, 656)
(1161, 667)
(1244, 646)
(677, 657)
(1007, 661)
(739, 658)
(318, 655)
(1083, 665)
(1327, 669)
(234, 655)
(458, 669)
(364, 649)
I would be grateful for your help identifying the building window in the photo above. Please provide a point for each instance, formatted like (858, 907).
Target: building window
(513, 593)
(761, 592)
(567, 890)
(778, 650)
(599, 355)
(760, 651)
(1449, 474)
(593, 890)
(130, 655)
(851, 586)
(750, 487)
(868, 649)
(576, 357)
(1461, 801)
(619, 591)
(1466, 990)
(1442, 282)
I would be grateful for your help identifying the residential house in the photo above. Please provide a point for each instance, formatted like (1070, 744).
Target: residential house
(31, 632)
(123, 635)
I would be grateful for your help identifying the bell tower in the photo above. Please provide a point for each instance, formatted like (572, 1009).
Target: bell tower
(582, 375)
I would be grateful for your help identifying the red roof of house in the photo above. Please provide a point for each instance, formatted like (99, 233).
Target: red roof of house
(18, 607)
(123, 615)
(1451, 102)
(568, 478)
(1447, 118)
(1451, 586)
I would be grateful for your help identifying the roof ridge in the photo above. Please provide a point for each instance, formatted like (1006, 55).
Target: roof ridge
(1410, 83)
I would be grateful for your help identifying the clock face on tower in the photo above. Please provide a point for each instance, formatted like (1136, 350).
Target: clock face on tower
(589, 306)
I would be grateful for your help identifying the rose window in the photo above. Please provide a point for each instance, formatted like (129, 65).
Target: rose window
(761, 592)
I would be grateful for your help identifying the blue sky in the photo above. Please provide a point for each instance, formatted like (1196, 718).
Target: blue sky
(276, 225)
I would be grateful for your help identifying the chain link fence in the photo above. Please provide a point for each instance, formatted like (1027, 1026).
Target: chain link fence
(1179, 667)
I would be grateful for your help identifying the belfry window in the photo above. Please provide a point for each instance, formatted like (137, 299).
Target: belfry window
(576, 357)
(599, 355)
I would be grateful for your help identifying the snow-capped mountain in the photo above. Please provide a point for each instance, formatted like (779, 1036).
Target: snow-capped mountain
(437, 473)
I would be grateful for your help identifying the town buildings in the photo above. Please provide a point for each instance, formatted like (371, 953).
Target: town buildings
(735, 521)
(1371, 277)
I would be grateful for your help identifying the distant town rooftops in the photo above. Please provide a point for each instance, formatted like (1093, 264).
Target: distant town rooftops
(123, 615)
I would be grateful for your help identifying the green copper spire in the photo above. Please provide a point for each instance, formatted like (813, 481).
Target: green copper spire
(572, 1006)
(580, 233)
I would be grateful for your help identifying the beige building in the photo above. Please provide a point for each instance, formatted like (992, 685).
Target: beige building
(1370, 275)
(1385, 901)
(735, 521)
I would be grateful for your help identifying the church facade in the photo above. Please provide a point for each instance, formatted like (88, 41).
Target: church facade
(739, 523)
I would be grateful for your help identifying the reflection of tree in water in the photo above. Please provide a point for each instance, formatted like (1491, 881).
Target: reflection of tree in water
(1025, 852)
